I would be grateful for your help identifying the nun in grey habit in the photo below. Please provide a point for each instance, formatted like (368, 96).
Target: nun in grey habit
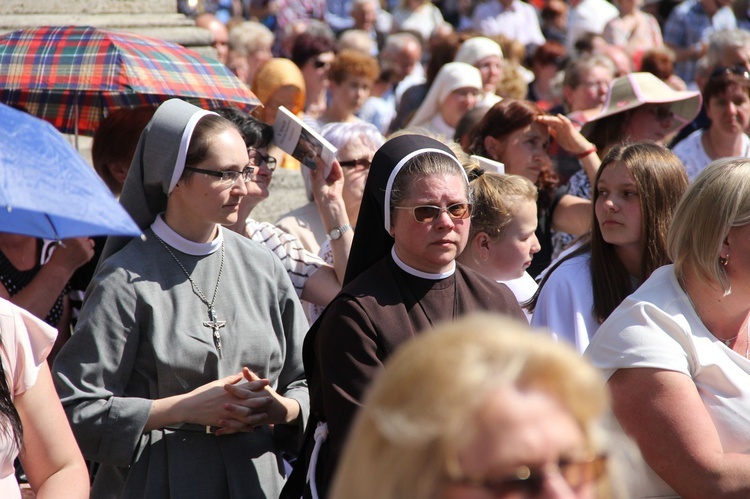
(151, 380)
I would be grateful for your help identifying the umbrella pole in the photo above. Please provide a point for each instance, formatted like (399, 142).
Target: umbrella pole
(75, 123)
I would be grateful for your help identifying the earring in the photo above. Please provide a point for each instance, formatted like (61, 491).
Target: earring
(724, 261)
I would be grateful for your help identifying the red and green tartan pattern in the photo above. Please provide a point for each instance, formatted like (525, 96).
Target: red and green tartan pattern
(58, 72)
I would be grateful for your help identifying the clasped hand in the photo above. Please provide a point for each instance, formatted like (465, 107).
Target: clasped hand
(255, 403)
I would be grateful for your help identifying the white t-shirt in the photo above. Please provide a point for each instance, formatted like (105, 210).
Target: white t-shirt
(566, 302)
(692, 154)
(657, 327)
(523, 288)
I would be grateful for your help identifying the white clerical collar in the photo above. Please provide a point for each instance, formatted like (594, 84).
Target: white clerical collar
(179, 243)
(439, 125)
(419, 273)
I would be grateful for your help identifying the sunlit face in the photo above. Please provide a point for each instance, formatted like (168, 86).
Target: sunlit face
(650, 122)
(221, 41)
(511, 253)
(315, 72)
(737, 246)
(736, 56)
(431, 247)
(618, 207)
(592, 90)
(365, 15)
(407, 58)
(491, 68)
(256, 59)
(457, 103)
(730, 111)
(351, 93)
(257, 188)
(205, 199)
(520, 430)
(285, 96)
(524, 152)
(354, 176)
(239, 66)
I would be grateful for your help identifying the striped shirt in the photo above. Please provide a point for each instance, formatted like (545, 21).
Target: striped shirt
(299, 263)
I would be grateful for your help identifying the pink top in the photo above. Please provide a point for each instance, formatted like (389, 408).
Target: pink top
(26, 342)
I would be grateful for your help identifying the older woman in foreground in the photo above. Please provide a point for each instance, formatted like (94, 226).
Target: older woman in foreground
(676, 351)
(514, 416)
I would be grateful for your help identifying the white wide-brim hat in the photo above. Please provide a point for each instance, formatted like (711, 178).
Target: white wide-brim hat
(636, 89)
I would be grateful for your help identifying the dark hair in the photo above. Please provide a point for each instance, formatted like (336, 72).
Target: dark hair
(207, 127)
(661, 180)
(722, 79)
(550, 53)
(255, 133)
(116, 138)
(468, 121)
(501, 120)
(609, 130)
(658, 61)
(307, 45)
(443, 52)
(14, 430)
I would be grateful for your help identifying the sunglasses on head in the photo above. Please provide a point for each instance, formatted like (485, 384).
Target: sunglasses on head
(427, 213)
(731, 70)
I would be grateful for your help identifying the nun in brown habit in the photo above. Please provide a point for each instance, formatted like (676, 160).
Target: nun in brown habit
(401, 279)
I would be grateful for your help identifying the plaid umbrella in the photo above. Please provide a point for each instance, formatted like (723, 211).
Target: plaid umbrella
(71, 75)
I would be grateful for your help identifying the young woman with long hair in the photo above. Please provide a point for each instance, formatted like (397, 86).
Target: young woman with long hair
(636, 190)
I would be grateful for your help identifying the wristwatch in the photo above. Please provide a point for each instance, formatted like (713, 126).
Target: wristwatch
(338, 232)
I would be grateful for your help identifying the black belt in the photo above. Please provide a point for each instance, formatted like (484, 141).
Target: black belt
(197, 428)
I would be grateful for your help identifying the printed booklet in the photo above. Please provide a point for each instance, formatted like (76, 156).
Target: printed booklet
(489, 165)
(295, 137)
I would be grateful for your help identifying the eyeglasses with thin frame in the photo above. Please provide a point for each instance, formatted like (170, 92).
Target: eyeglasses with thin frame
(353, 163)
(427, 213)
(257, 158)
(529, 482)
(226, 176)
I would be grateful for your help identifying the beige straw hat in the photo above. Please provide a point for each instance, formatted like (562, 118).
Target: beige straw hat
(635, 89)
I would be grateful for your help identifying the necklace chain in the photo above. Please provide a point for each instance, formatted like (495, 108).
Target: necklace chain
(726, 341)
(212, 323)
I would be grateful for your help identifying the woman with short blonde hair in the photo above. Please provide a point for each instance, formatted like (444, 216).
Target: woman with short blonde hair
(708, 216)
(422, 420)
(676, 352)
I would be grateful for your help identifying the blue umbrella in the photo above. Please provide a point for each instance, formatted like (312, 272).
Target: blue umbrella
(47, 190)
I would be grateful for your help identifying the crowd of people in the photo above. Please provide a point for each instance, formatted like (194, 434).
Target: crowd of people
(523, 276)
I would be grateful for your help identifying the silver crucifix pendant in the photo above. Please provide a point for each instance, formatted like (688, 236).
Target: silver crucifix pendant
(215, 326)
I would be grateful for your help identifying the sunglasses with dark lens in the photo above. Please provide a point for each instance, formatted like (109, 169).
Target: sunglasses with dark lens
(317, 64)
(257, 158)
(731, 70)
(529, 482)
(427, 213)
(353, 163)
(662, 113)
(227, 176)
